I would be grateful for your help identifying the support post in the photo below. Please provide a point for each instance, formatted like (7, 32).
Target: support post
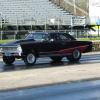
(76, 33)
(14, 35)
(59, 2)
(1, 27)
(72, 24)
(1, 34)
(23, 17)
(87, 34)
(98, 30)
(58, 24)
(34, 19)
(16, 26)
(74, 7)
(45, 23)
(31, 22)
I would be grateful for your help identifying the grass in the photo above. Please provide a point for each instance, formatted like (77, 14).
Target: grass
(4, 41)
(88, 39)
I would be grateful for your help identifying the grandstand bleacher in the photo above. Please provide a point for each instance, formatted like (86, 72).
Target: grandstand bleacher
(36, 12)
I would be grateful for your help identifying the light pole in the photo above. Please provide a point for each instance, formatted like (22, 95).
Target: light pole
(74, 7)
(1, 26)
(59, 2)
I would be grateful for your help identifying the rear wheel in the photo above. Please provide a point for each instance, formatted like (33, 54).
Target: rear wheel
(76, 55)
(8, 60)
(30, 58)
(56, 58)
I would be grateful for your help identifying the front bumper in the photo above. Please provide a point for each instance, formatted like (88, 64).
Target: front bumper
(10, 53)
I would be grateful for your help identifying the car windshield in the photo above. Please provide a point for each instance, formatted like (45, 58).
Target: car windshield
(36, 36)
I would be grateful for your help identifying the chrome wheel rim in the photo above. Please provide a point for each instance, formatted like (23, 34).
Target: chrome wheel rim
(30, 58)
(76, 53)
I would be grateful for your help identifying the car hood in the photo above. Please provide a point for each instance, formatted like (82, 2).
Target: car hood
(18, 42)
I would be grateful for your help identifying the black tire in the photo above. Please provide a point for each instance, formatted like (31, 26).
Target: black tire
(8, 60)
(56, 58)
(76, 55)
(30, 58)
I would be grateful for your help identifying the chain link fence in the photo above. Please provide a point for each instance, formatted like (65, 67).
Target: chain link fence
(13, 35)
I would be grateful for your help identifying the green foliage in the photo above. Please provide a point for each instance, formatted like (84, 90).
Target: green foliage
(88, 39)
(4, 41)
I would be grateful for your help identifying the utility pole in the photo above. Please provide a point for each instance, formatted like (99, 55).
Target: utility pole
(74, 6)
(88, 6)
(1, 26)
(59, 2)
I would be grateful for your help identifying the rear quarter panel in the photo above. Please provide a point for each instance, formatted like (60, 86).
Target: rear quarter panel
(84, 46)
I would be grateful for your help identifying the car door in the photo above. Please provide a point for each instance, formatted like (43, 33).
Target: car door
(53, 45)
(67, 43)
(70, 44)
(60, 44)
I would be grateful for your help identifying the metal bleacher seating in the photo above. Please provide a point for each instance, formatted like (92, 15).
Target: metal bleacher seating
(33, 12)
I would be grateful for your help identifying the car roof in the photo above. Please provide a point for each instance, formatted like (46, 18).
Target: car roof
(48, 32)
(54, 32)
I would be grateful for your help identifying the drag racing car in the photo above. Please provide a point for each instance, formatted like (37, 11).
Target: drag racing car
(55, 45)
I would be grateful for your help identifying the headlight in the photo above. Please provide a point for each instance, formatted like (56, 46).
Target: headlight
(19, 48)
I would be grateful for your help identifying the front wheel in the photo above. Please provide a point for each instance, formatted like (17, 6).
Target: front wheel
(30, 58)
(8, 60)
(76, 55)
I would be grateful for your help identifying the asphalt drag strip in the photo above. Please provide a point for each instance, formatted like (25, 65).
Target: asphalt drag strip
(46, 72)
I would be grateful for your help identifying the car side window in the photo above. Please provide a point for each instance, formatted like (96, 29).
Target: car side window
(65, 37)
(51, 36)
(59, 37)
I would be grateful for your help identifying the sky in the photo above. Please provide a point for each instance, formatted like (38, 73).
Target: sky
(94, 11)
(94, 7)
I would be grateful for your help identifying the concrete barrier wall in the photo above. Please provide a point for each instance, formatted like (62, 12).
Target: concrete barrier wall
(96, 46)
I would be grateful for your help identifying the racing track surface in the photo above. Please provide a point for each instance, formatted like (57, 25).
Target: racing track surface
(87, 58)
(89, 90)
(46, 72)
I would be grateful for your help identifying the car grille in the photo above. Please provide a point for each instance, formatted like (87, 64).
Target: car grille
(5, 49)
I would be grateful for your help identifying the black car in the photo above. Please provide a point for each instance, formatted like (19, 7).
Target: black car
(55, 45)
